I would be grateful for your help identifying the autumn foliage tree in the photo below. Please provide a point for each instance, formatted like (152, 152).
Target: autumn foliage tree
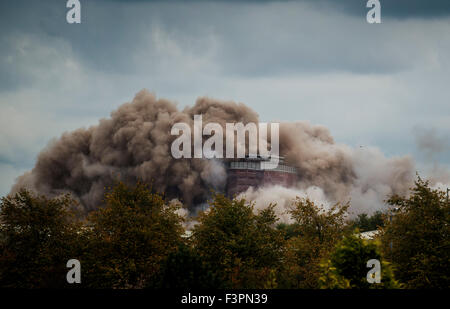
(136, 240)
(416, 237)
(38, 235)
(346, 267)
(129, 238)
(316, 230)
(185, 269)
(243, 248)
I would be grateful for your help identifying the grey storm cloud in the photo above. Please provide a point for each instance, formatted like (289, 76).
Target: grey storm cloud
(247, 38)
(391, 8)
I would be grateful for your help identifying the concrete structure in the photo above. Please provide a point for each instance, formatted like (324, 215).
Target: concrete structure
(254, 172)
(370, 235)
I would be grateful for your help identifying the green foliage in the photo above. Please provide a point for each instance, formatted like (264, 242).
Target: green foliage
(241, 247)
(129, 238)
(288, 230)
(135, 241)
(347, 266)
(317, 231)
(317, 223)
(417, 237)
(184, 269)
(38, 237)
(366, 223)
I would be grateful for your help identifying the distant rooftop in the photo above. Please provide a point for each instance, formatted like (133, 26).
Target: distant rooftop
(260, 158)
(369, 234)
(260, 163)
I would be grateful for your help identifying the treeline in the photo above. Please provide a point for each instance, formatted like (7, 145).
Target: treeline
(137, 240)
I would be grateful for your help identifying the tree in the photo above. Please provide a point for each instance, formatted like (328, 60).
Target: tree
(185, 269)
(129, 238)
(242, 248)
(288, 230)
(366, 223)
(347, 265)
(38, 236)
(416, 237)
(317, 231)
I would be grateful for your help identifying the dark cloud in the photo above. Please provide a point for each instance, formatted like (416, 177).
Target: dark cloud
(390, 8)
(243, 38)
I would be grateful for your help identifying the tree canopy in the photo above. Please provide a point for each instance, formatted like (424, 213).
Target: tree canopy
(38, 236)
(416, 238)
(242, 247)
(137, 239)
(129, 238)
(317, 230)
(347, 265)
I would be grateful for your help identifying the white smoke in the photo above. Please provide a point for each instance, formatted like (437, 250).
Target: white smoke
(283, 198)
(375, 178)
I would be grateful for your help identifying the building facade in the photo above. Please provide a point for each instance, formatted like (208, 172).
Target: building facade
(255, 172)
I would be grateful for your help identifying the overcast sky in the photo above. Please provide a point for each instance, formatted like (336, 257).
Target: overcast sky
(385, 85)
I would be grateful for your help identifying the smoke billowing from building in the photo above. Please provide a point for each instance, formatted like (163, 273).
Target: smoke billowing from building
(134, 144)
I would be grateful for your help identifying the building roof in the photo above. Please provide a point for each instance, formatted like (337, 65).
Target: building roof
(369, 234)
